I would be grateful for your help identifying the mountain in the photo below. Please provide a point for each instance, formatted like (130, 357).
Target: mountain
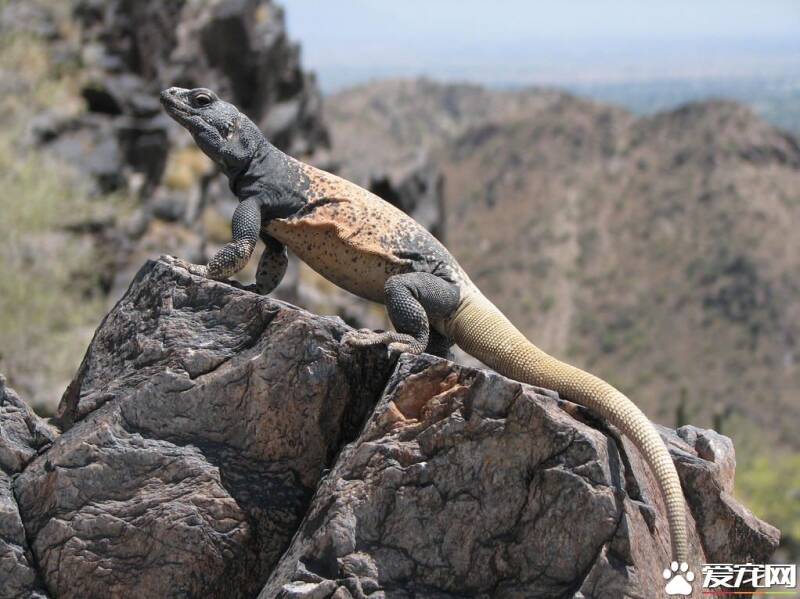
(660, 252)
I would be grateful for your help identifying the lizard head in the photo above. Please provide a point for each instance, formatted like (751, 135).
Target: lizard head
(227, 136)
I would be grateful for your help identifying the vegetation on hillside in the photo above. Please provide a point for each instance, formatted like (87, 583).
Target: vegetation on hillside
(49, 293)
(769, 485)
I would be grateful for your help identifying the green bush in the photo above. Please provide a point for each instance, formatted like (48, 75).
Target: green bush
(770, 487)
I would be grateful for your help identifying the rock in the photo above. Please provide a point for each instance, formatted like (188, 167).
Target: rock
(464, 483)
(125, 93)
(90, 143)
(22, 434)
(730, 532)
(198, 434)
(196, 430)
(239, 48)
(169, 208)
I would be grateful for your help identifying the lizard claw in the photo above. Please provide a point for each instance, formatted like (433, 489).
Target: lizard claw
(362, 338)
(399, 347)
(195, 269)
(396, 343)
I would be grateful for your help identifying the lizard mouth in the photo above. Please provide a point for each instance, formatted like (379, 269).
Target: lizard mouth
(180, 111)
(176, 108)
(184, 114)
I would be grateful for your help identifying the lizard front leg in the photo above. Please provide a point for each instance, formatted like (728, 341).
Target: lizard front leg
(272, 265)
(410, 300)
(233, 256)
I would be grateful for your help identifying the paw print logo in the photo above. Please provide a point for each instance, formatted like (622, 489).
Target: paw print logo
(678, 577)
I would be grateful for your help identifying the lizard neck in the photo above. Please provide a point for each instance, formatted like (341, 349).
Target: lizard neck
(277, 180)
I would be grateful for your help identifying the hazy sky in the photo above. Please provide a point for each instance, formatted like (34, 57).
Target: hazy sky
(518, 41)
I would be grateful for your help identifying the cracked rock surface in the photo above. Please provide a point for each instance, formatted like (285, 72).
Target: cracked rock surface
(197, 437)
(195, 432)
(466, 484)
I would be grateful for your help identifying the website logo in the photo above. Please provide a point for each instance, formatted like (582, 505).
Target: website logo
(738, 579)
(679, 580)
(730, 580)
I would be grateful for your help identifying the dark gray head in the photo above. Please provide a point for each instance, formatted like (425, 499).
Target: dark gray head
(227, 136)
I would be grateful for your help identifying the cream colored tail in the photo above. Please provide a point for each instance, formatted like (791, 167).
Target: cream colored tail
(481, 330)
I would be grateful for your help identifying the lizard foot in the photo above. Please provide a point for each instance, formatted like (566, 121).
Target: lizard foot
(395, 342)
(195, 269)
(198, 269)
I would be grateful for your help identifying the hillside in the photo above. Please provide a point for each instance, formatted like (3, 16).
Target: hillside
(658, 252)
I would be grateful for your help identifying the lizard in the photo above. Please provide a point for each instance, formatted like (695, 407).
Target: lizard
(370, 248)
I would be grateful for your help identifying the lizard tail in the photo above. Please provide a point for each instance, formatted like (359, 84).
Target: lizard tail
(481, 330)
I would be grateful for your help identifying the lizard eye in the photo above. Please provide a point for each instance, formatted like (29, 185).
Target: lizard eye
(201, 100)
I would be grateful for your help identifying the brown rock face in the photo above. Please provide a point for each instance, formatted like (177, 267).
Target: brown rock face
(203, 417)
(466, 484)
(197, 428)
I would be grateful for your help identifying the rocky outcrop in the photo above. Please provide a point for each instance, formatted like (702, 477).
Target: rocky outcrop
(132, 50)
(465, 484)
(195, 432)
(729, 532)
(122, 54)
(197, 438)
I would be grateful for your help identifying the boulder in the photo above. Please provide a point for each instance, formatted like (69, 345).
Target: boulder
(195, 432)
(466, 484)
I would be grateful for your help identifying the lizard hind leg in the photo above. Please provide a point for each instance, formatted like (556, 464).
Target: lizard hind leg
(410, 300)
(439, 345)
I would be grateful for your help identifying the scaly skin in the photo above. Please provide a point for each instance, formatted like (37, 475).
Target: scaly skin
(370, 248)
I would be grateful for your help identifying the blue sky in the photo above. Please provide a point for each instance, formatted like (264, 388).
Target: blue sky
(514, 41)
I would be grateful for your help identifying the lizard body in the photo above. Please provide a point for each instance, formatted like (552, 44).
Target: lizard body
(356, 240)
(368, 247)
